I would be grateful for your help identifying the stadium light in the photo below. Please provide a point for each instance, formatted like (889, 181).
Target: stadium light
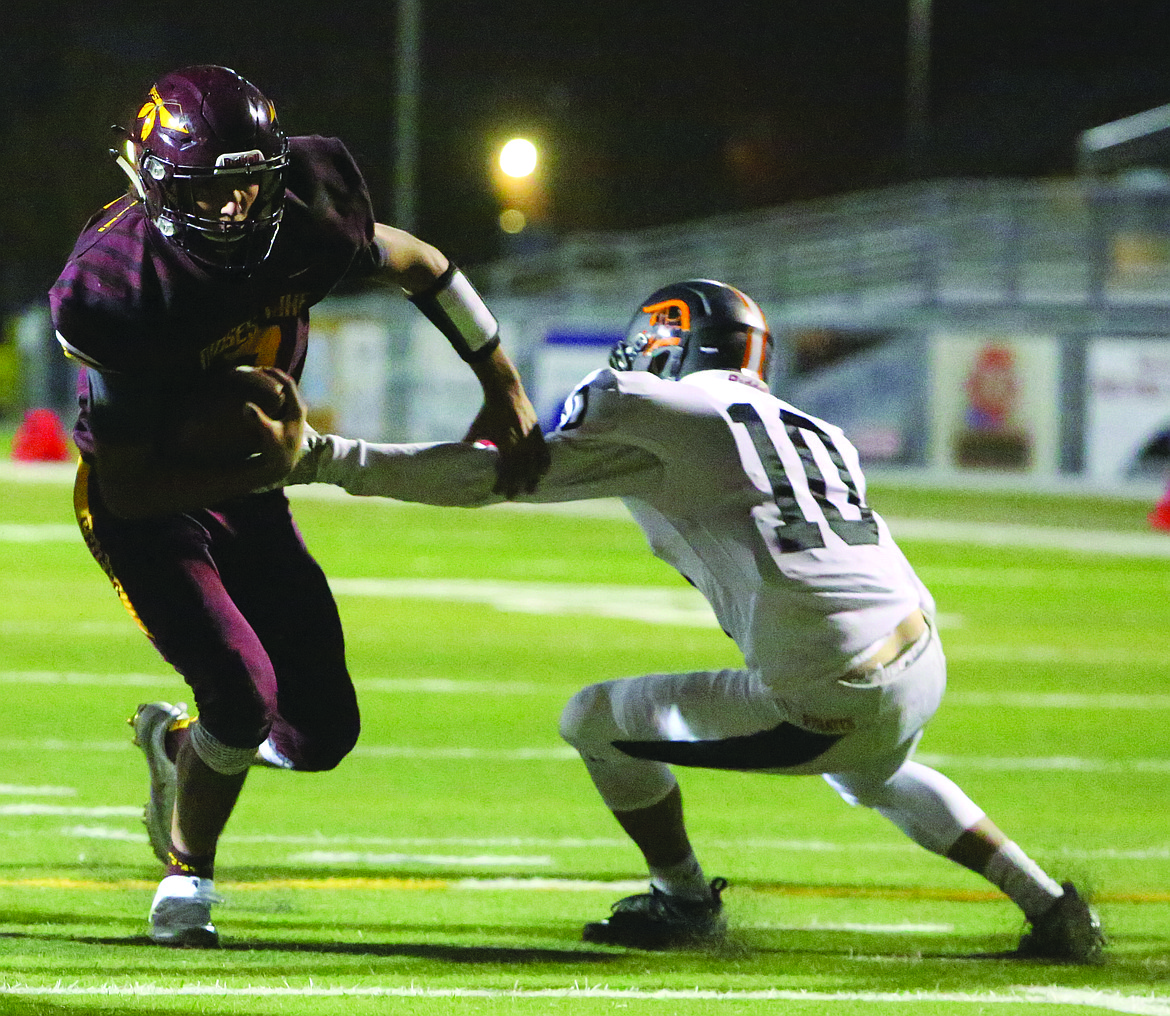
(519, 175)
(518, 158)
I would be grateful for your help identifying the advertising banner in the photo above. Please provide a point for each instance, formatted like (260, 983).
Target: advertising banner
(995, 403)
(1127, 429)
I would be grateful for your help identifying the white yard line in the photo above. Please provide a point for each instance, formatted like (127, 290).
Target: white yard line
(128, 680)
(38, 532)
(1057, 763)
(37, 472)
(1058, 700)
(1069, 655)
(1068, 580)
(1093, 701)
(679, 605)
(58, 811)
(97, 832)
(104, 833)
(1081, 541)
(439, 860)
(55, 744)
(1109, 1001)
(16, 790)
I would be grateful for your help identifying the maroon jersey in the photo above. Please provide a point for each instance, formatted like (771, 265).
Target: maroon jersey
(140, 314)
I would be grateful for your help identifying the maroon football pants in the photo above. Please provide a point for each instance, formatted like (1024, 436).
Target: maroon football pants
(233, 600)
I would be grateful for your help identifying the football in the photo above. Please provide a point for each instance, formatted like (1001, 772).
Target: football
(215, 425)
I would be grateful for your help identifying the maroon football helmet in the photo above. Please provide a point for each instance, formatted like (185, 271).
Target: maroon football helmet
(200, 127)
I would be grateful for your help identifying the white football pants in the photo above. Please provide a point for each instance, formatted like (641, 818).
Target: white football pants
(884, 714)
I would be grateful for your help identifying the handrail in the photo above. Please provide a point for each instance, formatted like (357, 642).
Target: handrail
(1079, 242)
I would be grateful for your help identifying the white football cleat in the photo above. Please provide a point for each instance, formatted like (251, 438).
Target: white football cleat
(181, 912)
(151, 721)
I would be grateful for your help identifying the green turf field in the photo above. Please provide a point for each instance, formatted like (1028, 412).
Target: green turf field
(449, 864)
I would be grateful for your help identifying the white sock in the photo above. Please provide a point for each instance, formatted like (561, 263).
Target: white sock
(683, 879)
(1029, 887)
(268, 755)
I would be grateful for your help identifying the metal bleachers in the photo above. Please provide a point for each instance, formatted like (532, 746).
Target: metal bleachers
(1079, 255)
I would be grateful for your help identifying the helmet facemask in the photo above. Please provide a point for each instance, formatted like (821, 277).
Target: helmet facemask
(658, 349)
(173, 198)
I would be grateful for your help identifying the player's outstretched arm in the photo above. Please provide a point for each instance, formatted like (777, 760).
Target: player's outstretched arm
(458, 474)
(447, 298)
(450, 473)
(608, 445)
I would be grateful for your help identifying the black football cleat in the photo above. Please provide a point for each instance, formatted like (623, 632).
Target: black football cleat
(1069, 931)
(657, 920)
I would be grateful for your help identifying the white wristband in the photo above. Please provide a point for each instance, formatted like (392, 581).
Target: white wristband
(468, 312)
(455, 307)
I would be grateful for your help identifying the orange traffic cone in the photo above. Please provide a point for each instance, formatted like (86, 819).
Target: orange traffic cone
(40, 438)
(1160, 516)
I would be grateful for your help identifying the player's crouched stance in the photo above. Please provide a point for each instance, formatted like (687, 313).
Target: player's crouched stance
(617, 728)
(762, 508)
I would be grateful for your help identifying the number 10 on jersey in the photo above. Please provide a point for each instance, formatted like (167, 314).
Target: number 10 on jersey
(817, 488)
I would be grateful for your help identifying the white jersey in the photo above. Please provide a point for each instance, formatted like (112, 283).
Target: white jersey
(760, 506)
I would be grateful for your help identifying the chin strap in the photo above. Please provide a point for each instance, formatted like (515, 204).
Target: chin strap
(131, 172)
(124, 157)
(454, 306)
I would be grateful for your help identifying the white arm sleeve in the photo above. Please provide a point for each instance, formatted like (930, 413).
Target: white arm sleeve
(608, 446)
(437, 473)
(462, 475)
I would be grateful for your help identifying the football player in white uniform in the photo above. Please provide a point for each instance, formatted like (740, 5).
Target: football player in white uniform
(762, 508)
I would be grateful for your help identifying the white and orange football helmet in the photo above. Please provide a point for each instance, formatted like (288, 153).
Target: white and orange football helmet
(696, 325)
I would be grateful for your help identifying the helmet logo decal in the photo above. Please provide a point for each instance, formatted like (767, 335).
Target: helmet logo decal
(672, 313)
(670, 320)
(165, 114)
(239, 162)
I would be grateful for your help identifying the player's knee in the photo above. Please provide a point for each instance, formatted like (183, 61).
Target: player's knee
(315, 740)
(322, 754)
(588, 718)
(322, 759)
(857, 789)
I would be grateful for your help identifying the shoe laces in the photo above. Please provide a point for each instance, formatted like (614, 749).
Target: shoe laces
(657, 903)
(204, 893)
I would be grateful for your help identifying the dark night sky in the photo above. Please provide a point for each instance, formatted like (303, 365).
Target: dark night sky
(650, 112)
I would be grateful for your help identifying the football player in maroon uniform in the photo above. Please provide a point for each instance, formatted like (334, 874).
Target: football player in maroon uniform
(230, 232)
